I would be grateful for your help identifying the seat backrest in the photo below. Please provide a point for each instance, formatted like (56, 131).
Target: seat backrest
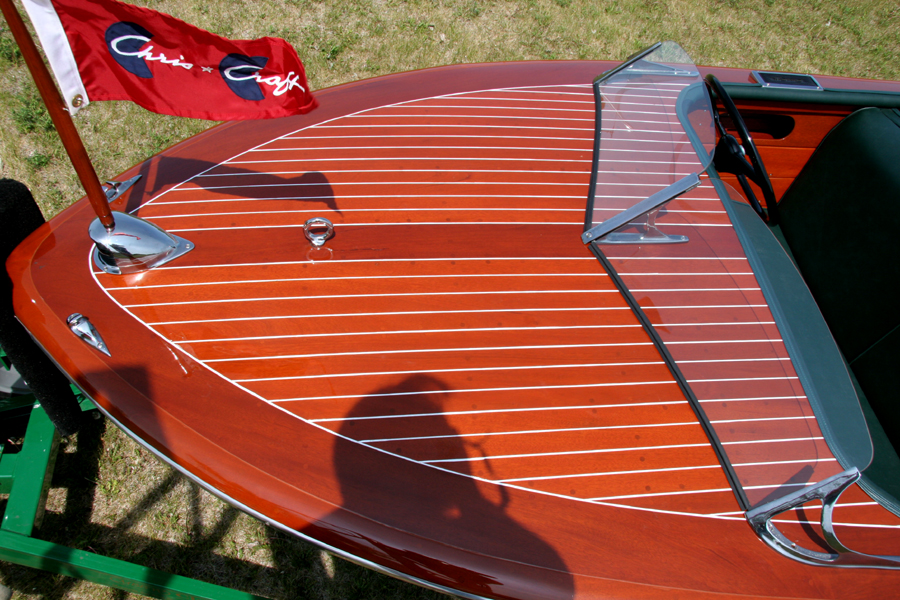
(841, 219)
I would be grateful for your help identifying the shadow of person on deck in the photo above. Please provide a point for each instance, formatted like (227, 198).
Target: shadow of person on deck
(451, 510)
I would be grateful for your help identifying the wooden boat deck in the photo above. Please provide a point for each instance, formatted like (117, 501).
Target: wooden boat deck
(456, 324)
(520, 364)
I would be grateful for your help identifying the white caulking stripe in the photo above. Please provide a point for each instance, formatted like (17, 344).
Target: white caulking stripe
(671, 126)
(586, 148)
(551, 125)
(423, 350)
(394, 295)
(463, 125)
(610, 145)
(361, 277)
(548, 101)
(469, 391)
(728, 360)
(434, 276)
(436, 223)
(777, 485)
(841, 505)
(713, 324)
(587, 100)
(607, 473)
(404, 170)
(324, 199)
(783, 378)
(505, 410)
(467, 138)
(684, 258)
(395, 313)
(809, 461)
(649, 186)
(464, 330)
(659, 494)
(778, 419)
(755, 399)
(426, 107)
(471, 459)
(585, 129)
(706, 306)
(731, 289)
(813, 508)
(494, 348)
(582, 90)
(839, 523)
(531, 432)
(447, 209)
(407, 332)
(368, 183)
(376, 210)
(482, 159)
(687, 274)
(464, 370)
(772, 441)
(376, 261)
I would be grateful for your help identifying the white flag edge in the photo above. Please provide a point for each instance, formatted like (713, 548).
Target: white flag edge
(56, 46)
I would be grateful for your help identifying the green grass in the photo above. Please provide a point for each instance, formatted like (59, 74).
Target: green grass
(112, 497)
(354, 39)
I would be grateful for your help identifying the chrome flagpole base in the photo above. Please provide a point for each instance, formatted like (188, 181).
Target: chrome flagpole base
(134, 245)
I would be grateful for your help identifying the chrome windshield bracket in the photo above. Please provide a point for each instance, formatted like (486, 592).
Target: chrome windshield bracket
(828, 491)
(114, 189)
(647, 205)
(649, 234)
(627, 63)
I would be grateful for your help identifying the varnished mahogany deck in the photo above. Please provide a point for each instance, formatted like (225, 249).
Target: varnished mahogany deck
(453, 388)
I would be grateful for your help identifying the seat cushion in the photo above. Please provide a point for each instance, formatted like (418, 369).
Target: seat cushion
(841, 219)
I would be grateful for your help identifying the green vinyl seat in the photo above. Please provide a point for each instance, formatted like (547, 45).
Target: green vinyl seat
(841, 221)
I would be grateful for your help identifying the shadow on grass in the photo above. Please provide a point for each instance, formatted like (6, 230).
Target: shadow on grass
(212, 551)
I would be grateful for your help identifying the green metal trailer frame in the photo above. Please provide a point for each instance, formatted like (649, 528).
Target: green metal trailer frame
(25, 476)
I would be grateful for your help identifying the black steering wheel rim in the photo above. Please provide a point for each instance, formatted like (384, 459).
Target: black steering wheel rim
(727, 159)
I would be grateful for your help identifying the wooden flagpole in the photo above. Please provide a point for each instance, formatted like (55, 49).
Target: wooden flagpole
(59, 114)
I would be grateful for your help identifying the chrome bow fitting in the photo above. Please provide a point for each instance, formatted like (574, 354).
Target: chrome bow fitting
(133, 245)
(84, 329)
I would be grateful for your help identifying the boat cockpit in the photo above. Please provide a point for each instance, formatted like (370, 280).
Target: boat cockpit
(824, 255)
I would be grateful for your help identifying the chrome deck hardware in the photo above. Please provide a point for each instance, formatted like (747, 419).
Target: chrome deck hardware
(134, 245)
(83, 328)
(318, 230)
(828, 491)
(114, 189)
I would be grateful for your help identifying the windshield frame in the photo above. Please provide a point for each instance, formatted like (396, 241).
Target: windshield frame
(676, 123)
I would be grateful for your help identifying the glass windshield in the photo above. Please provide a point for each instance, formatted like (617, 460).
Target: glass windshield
(827, 386)
(654, 131)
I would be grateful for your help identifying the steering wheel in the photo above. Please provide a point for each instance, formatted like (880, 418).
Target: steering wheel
(732, 157)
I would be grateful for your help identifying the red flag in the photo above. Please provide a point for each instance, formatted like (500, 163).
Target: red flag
(107, 50)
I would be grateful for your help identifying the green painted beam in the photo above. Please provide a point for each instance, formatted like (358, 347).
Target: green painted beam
(47, 556)
(7, 471)
(25, 476)
(33, 469)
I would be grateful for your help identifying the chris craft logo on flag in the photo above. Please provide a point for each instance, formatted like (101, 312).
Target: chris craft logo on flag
(107, 50)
